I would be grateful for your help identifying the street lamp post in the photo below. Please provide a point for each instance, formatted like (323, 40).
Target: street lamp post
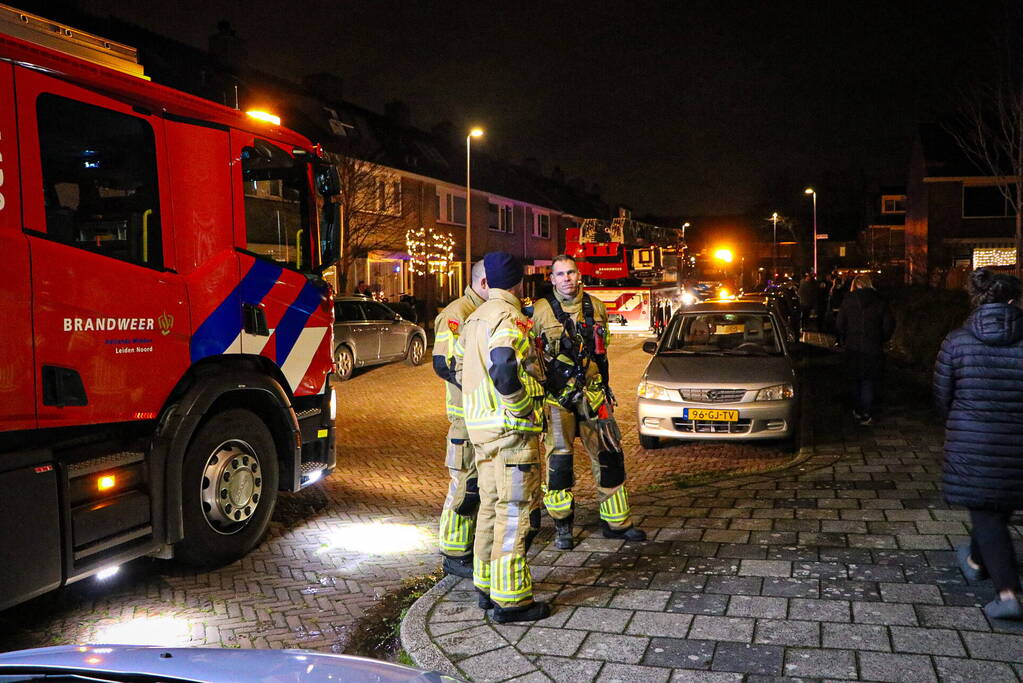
(774, 247)
(474, 133)
(813, 192)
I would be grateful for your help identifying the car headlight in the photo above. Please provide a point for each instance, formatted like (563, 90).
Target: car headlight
(655, 391)
(778, 392)
(688, 299)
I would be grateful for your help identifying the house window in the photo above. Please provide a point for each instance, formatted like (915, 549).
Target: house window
(893, 203)
(387, 195)
(542, 225)
(996, 256)
(500, 217)
(450, 208)
(984, 201)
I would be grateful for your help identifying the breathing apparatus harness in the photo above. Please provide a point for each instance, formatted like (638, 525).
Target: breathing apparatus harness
(569, 358)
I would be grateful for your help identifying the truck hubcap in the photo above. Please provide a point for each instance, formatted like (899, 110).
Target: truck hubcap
(232, 485)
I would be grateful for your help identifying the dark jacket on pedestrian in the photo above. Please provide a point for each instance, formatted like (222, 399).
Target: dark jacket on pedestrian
(978, 385)
(807, 293)
(865, 322)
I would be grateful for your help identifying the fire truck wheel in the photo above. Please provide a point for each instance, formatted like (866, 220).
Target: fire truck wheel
(229, 481)
(345, 362)
(416, 349)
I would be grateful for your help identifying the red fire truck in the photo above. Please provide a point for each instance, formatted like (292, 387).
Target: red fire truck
(634, 283)
(166, 346)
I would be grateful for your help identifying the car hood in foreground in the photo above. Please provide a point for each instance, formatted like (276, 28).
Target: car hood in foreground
(215, 665)
(747, 371)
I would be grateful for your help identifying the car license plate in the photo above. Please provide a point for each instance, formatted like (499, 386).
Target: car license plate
(710, 414)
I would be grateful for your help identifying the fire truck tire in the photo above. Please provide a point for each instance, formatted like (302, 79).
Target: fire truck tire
(416, 352)
(229, 488)
(345, 362)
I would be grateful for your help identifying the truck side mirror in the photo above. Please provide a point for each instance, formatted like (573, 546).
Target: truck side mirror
(328, 184)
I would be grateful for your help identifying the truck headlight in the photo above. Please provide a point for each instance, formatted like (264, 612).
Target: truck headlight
(778, 392)
(655, 391)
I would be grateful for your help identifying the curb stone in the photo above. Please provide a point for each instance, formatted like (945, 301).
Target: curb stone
(415, 637)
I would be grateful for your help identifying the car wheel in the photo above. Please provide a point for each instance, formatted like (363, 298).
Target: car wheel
(649, 442)
(344, 362)
(416, 351)
(229, 488)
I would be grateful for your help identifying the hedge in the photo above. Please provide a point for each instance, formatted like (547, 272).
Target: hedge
(923, 316)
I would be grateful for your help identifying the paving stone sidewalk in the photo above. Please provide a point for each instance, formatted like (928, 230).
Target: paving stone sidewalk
(840, 569)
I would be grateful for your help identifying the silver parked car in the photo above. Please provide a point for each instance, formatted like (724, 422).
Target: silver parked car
(367, 332)
(121, 663)
(722, 370)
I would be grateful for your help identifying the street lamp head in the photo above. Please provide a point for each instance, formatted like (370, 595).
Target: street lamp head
(724, 255)
(774, 216)
(475, 132)
(685, 225)
(809, 190)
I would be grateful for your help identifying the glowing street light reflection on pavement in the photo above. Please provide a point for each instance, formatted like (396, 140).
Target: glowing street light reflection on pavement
(377, 538)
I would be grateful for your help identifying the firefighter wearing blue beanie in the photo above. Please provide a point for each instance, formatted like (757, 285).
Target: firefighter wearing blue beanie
(502, 397)
(504, 271)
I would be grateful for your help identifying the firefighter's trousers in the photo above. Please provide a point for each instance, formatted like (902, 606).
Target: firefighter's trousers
(509, 517)
(607, 463)
(458, 518)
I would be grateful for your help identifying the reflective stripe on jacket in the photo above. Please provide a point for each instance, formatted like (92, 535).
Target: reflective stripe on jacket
(446, 329)
(494, 328)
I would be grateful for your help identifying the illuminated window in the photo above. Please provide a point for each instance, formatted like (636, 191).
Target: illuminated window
(994, 256)
(893, 203)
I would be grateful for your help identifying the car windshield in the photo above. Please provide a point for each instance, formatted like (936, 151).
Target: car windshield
(720, 333)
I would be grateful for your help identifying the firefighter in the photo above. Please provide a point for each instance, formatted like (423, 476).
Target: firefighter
(458, 517)
(579, 402)
(502, 396)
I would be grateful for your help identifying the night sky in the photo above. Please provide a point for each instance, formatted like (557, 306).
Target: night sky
(676, 108)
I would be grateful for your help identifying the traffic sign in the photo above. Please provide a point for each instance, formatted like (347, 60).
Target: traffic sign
(822, 236)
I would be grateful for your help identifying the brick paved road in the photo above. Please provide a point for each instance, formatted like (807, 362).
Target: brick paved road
(842, 569)
(332, 550)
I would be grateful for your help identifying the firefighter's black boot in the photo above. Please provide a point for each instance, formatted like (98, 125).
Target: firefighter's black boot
(532, 612)
(629, 534)
(483, 600)
(563, 534)
(458, 566)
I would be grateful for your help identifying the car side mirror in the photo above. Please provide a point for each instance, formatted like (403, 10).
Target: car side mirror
(650, 347)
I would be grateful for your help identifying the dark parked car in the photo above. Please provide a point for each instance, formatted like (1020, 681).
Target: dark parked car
(367, 332)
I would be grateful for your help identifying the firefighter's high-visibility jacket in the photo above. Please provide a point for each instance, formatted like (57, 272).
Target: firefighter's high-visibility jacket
(447, 328)
(546, 324)
(499, 371)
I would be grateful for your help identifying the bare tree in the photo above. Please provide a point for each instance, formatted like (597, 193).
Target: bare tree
(371, 209)
(989, 129)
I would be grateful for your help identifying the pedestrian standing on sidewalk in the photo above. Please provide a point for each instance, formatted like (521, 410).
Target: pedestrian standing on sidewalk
(458, 517)
(865, 324)
(978, 388)
(807, 298)
(502, 394)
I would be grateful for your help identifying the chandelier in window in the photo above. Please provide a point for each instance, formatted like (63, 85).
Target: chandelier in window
(429, 251)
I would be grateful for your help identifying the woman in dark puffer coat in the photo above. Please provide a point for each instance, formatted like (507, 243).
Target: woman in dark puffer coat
(978, 387)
